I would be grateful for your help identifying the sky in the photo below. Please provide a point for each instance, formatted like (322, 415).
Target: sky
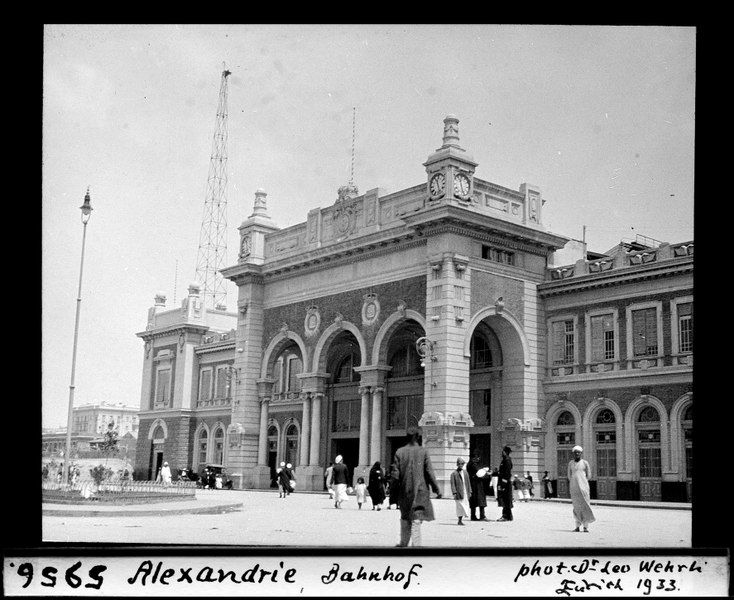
(601, 119)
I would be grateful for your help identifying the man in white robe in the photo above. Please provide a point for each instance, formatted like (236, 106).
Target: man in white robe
(461, 489)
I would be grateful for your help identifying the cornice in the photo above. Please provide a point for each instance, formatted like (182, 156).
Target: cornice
(172, 329)
(342, 253)
(622, 275)
(458, 219)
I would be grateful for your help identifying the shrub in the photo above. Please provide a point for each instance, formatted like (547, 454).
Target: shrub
(100, 473)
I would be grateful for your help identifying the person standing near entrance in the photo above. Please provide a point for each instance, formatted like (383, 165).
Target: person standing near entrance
(478, 478)
(547, 486)
(339, 478)
(579, 473)
(413, 476)
(376, 486)
(461, 488)
(166, 474)
(505, 484)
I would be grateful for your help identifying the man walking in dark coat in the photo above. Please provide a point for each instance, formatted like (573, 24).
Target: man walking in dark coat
(413, 474)
(505, 484)
(478, 497)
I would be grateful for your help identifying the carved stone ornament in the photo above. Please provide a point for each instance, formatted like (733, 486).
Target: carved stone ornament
(147, 348)
(338, 319)
(312, 322)
(242, 306)
(245, 246)
(284, 329)
(181, 341)
(401, 307)
(345, 211)
(370, 309)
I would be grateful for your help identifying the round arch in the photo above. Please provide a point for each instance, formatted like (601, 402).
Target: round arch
(503, 323)
(283, 440)
(592, 410)
(392, 323)
(217, 426)
(197, 436)
(319, 356)
(276, 344)
(274, 423)
(551, 457)
(676, 440)
(155, 425)
(630, 441)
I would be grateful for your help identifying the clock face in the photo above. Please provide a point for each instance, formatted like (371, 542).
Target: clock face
(438, 183)
(461, 185)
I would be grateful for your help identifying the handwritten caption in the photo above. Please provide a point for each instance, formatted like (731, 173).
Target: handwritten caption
(412, 575)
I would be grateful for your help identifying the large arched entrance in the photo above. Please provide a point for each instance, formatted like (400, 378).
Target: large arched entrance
(404, 385)
(343, 399)
(485, 393)
(500, 392)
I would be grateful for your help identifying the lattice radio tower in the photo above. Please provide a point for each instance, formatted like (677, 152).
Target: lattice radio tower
(213, 236)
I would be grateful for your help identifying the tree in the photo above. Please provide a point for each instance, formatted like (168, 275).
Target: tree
(110, 445)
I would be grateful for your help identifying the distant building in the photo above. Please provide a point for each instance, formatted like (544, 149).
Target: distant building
(95, 418)
(446, 305)
(90, 422)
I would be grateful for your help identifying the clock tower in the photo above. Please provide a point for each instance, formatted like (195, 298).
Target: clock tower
(450, 169)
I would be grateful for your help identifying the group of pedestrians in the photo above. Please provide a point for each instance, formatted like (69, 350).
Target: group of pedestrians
(411, 480)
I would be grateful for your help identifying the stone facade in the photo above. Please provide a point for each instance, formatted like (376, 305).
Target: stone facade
(434, 306)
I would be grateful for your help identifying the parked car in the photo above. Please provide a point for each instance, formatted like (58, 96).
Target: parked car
(215, 477)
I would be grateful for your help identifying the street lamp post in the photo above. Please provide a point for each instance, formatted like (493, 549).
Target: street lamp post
(86, 209)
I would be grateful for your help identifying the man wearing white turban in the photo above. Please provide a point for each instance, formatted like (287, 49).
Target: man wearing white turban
(339, 478)
(578, 477)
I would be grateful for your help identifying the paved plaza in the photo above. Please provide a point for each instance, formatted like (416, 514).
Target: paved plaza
(308, 519)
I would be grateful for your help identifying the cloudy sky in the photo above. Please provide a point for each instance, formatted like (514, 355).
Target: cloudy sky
(600, 118)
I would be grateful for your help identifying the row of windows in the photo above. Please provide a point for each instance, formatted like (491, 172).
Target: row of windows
(648, 438)
(643, 329)
(497, 255)
(214, 383)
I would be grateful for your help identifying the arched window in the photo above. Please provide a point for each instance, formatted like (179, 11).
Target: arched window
(648, 437)
(565, 440)
(345, 370)
(565, 418)
(405, 362)
(203, 443)
(605, 417)
(219, 446)
(295, 366)
(481, 354)
(291, 444)
(605, 452)
(277, 370)
(648, 415)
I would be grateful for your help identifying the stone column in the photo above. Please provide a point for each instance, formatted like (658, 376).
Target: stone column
(364, 425)
(305, 445)
(315, 429)
(262, 448)
(376, 436)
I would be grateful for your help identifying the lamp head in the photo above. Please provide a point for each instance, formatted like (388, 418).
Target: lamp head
(86, 207)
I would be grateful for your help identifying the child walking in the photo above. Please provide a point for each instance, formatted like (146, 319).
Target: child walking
(361, 491)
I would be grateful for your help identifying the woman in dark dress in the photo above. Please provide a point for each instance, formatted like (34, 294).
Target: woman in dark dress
(376, 486)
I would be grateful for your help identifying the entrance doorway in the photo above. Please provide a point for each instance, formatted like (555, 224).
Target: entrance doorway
(349, 450)
(480, 443)
(156, 461)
